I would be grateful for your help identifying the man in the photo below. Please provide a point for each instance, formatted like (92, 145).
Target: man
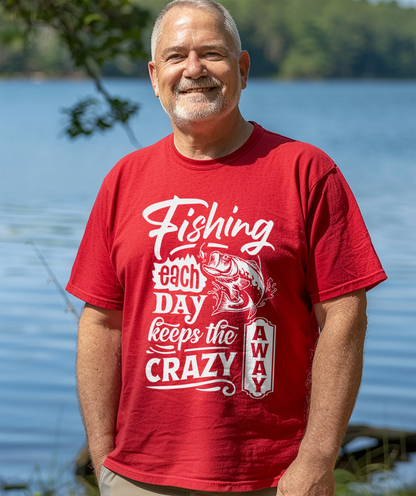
(208, 262)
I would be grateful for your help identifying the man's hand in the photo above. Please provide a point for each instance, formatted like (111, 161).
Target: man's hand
(307, 479)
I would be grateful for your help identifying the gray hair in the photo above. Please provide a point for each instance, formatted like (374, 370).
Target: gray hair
(229, 23)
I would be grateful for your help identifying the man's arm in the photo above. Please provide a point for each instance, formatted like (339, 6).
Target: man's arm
(336, 378)
(99, 378)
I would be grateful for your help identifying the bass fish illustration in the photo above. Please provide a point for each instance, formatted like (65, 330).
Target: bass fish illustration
(239, 283)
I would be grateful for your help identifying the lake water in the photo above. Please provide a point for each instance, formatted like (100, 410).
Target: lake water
(48, 185)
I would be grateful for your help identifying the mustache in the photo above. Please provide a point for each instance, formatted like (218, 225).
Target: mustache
(202, 82)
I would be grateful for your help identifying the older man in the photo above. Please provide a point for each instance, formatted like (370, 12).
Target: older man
(208, 262)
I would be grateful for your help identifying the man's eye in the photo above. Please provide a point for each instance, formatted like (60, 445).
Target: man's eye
(175, 56)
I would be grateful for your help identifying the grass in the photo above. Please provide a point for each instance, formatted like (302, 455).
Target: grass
(372, 474)
(380, 483)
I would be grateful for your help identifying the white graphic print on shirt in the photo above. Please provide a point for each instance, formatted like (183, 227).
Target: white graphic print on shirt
(235, 279)
(188, 356)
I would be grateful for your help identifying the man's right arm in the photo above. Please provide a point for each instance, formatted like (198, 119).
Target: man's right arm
(99, 378)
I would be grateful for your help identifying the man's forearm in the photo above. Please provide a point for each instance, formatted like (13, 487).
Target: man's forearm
(99, 378)
(336, 377)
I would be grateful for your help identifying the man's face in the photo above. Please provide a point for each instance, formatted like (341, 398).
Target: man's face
(197, 73)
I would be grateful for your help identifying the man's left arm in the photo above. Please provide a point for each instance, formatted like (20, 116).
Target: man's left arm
(336, 378)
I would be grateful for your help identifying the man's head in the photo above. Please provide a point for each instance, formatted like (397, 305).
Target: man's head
(198, 69)
(229, 24)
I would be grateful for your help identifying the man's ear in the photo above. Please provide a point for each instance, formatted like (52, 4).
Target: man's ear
(153, 77)
(244, 65)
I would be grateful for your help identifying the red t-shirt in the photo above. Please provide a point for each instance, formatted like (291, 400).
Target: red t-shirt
(216, 265)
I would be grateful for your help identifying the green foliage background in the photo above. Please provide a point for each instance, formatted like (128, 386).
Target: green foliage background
(328, 38)
(294, 39)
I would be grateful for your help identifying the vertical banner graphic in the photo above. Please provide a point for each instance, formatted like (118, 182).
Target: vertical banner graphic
(259, 358)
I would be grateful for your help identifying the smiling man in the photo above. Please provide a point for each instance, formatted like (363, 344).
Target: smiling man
(209, 264)
(198, 72)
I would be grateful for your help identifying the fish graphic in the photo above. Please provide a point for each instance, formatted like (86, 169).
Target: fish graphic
(239, 283)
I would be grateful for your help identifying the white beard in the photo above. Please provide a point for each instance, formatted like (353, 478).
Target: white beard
(185, 110)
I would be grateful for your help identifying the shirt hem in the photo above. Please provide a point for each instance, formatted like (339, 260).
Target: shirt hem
(194, 484)
(367, 283)
(92, 300)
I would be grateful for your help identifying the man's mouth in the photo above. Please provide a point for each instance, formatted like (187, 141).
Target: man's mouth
(197, 90)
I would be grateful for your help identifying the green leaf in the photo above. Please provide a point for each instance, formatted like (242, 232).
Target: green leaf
(344, 476)
(91, 18)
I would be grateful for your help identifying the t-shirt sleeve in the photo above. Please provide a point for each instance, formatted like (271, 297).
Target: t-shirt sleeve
(93, 277)
(341, 255)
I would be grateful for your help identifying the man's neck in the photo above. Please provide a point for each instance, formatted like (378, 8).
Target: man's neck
(214, 139)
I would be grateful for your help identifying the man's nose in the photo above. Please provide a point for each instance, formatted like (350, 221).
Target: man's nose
(194, 66)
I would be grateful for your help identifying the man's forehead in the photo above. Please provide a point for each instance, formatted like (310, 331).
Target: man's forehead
(181, 20)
